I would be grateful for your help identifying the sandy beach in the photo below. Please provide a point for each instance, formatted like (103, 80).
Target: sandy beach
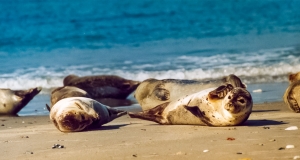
(263, 136)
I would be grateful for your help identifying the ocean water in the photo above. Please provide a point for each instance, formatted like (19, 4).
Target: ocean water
(41, 42)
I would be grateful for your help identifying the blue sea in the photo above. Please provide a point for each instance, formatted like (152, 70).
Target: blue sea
(42, 41)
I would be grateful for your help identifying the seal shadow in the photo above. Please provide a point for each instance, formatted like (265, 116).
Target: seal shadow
(262, 122)
(271, 110)
(108, 127)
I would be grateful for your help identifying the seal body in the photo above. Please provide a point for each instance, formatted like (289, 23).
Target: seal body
(79, 113)
(292, 94)
(12, 101)
(153, 92)
(103, 86)
(222, 106)
(66, 92)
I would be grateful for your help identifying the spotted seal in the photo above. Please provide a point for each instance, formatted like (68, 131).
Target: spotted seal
(103, 86)
(222, 106)
(292, 94)
(152, 92)
(12, 101)
(78, 113)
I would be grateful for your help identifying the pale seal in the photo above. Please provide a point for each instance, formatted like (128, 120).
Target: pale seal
(222, 106)
(152, 92)
(12, 101)
(79, 113)
(292, 94)
(103, 86)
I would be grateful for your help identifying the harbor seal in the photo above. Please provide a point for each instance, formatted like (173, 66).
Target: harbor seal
(66, 92)
(12, 101)
(103, 86)
(292, 94)
(71, 91)
(78, 113)
(152, 92)
(222, 106)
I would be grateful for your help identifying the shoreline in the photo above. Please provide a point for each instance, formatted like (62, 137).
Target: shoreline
(262, 136)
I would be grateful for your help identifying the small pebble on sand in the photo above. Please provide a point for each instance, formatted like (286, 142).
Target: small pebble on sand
(292, 128)
(289, 146)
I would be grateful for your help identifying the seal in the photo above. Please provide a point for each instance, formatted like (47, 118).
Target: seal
(292, 94)
(103, 86)
(12, 101)
(71, 91)
(222, 106)
(152, 92)
(66, 92)
(79, 113)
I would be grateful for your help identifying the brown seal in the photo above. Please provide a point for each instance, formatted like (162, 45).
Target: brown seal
(103, 86)
(292, 94)
(12, 101)
(153, 92)
(66, 92)
(80, 113)
(222, 106)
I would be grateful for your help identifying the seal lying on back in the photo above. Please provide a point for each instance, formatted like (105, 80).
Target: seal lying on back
(103, 86)
(222, 106)
(79, 113)
(292, 94)
(12, 101)
(152, 92)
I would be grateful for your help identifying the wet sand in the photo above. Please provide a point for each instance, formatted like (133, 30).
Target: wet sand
(263, 136)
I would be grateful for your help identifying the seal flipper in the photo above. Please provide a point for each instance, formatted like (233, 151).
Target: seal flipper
(196, 112)
(154, 114)
(114, 113)
(48, 108)
(220, 92)
(162, 94)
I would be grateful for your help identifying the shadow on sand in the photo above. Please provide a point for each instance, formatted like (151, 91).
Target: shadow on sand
(108, 127)
(262, 122)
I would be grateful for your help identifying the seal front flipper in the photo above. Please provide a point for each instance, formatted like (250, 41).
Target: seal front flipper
(154, 114)
(162, 94)
(221, 91)
(196, 112)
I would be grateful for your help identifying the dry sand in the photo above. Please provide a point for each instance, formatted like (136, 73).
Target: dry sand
(263, 136)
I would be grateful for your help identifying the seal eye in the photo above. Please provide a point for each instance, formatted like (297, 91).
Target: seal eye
(229, 97)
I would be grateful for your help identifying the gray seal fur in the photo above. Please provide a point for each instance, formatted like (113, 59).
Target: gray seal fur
(103, 86)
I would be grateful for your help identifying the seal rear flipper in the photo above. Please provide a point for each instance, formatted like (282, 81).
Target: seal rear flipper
(114, 113)
(145, 116)
(48, 108)
(154, 114)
